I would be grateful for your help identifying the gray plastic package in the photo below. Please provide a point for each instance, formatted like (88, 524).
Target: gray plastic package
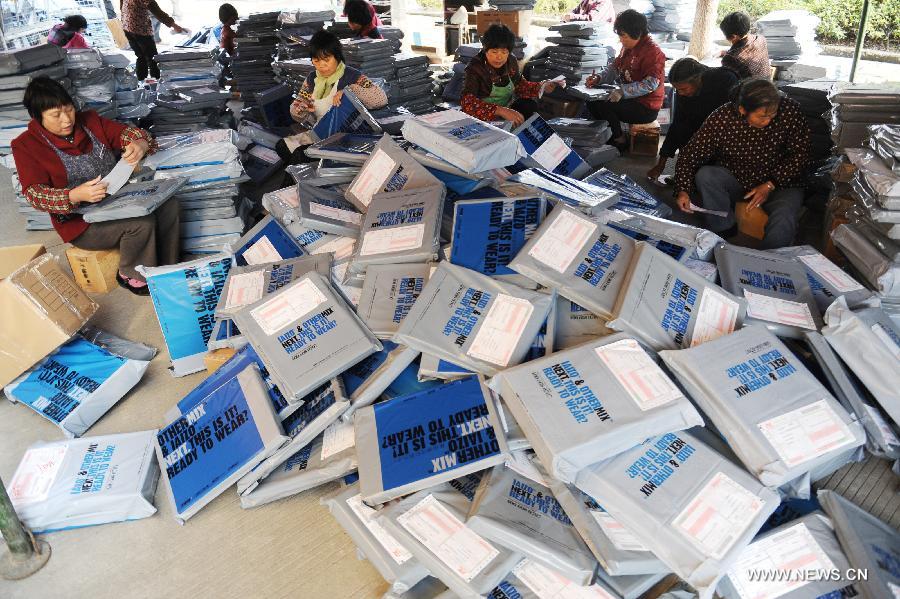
(585, 261)
(433, 368)
(667, 305)
(81, 381)
(698, 242)
(582, 196)
(616, 549)
(691, 507)
(320, 408)
(67, 484)
(576, 325)
(464, 141)
(867, 353)
(522, 514)
(365, 381)
(531, 580)
(879, 271)
(388, 293)
(384, 551)
(388, 169)
(882, 437)
(869, 544)
(802, 545)
(305, 334)
(283, 204)
(775, 288)
(327, 211)
(826, 279)
(431, 524)
(588, 403)
(632, 587)
(133, 200)
(247, 284)
(428, 588)
(780, 421)
(474, 321)
(399, 227)
(412, 442)
(329, 457)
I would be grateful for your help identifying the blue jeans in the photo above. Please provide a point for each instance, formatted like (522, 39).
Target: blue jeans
(717, 189)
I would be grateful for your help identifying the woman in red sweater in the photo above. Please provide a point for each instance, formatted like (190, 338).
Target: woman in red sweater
(60, 160)
(639, 73)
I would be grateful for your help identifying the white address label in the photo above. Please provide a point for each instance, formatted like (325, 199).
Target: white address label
(559, 245)
(501, 330)
(642, 378)
(287, 306)
(806, 433)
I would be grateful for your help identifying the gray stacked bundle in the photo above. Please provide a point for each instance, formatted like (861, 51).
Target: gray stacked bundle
(581, 49)
(855, 106)
(293, 72)
(673, 17)
(789, 33)
(94, 84)
(295, 29)
(588, 138)
(255, 44)
(17, 69)
(188, 96)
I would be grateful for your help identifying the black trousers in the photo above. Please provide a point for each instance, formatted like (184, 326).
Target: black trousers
(145, 49)
(624, 111)
(524, 107)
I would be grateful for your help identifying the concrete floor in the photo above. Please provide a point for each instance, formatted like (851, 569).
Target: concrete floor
(291, 548)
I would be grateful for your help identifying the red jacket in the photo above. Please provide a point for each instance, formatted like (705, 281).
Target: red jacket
(41, 173)
(646, 59)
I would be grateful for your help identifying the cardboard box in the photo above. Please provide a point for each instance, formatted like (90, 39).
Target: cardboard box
(95, 272)
(519, 21)
(41, 307)
(118, 33)
(753, 222)
(13, 257)
(214, 359)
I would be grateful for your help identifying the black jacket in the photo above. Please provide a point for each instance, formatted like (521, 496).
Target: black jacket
(690, 112)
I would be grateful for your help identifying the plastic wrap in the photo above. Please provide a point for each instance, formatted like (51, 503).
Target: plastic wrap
(877, 269)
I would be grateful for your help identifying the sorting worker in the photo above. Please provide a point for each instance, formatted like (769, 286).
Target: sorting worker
(61, 159)
(699, 91)
(755, 148)
(596, 11)
(361, 19)
(69, 33)
(749, 53)
(228, 16)
(494, 88)
(638, 71)
(375, 20)
(139, 32)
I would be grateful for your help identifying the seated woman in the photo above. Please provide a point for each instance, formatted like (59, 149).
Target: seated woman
(755, 148)
(597, 11)
(749, 53)
(638, 71)
(699, 90)
(361, 18)
(493, 88)
(68, 34)
(61, 158)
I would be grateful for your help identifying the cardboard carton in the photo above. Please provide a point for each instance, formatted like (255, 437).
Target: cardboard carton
(12, 258)
(95, 272)
(216, 358)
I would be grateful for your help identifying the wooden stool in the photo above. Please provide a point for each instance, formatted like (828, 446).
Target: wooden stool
(751, 223)
(95, 272)
(644, 139)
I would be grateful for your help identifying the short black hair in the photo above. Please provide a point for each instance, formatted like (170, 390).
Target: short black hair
(632, 23)
(75, 22)
(498, 36)
(227, 12)
(687, 69)
(43, 94)
(735, 23)
(324, 43)
(358, 12)
(753, 94)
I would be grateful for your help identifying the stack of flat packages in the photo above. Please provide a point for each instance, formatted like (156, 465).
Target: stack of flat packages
(93, 83)
(293, 72)
(633, 198)
(876, 189)
(789, 34)
(15, 62)
(855, 106)
(580, 49)
(255, 45)
(885, 141)
(188, 98)
(295, 29)
(132, 100)
(812, 96)
(373, 57)
(414, 85)
(512, 5)
(673, 18)
(588, 137)
(872, 255)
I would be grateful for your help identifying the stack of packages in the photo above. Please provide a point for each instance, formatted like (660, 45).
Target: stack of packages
(93, 83)
(580, 49)
(673, 18)
(132, 100)
(256, 41)
(512, 5)
(295, 29)
(454, 79)
(411, 85)
(210, 161)
(855, 106)
(293, 72)
(790, 34)
(374, 58)
(186, 68)
(813, 99)
(188, 97)
(588, 138)
(17, 69)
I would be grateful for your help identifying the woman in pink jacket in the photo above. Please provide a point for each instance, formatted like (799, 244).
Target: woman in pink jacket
(68, 34)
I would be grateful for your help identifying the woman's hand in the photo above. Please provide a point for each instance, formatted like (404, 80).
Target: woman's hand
(337, 98)
(88, 192)
(759, 194)
(300, 109)
(550, 86)
(178, 28)
(684, 202)
(135, 151)
(508, 114)
(593, 80)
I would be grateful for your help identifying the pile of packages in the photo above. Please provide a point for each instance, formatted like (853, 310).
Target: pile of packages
(673, 17)
(580, 49)
(256, 42)
(855, 106)
(588, 138)
(528, 380)
(512, 5)
(789, 34)
(94, 83)
(812, 96)
(295, 29)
